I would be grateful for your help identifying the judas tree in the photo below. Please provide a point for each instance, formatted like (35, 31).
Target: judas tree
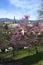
(18, 39)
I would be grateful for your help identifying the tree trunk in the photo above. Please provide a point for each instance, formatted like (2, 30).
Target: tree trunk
(36, 49)
(13, 51)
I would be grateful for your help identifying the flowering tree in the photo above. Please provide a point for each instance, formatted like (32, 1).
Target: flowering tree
(19, 38)
(26, 17)
(29, 36)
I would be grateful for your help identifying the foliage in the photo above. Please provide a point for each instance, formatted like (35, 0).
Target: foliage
(4, 43)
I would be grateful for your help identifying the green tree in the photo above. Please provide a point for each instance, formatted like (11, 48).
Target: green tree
(40, 16)
(6, 27)
(4, 43)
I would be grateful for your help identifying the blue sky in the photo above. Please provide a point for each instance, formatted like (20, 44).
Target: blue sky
(19, 8)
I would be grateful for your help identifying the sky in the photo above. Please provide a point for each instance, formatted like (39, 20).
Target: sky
(19, 8)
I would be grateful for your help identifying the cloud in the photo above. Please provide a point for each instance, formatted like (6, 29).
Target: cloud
(20, 8)
(5, 14)
(27, 7)
(28, 4)
(18, 3)
(17, 14)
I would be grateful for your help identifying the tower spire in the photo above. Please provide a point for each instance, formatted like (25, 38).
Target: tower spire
(14, 19)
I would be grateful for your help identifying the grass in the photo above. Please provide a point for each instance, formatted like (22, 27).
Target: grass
(26, 56)
(33, 59)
